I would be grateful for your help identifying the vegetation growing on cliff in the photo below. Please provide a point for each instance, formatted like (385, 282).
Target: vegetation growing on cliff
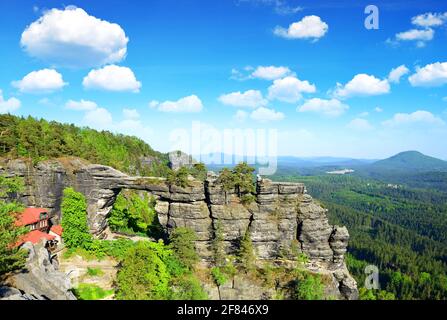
(74, 220)
(11, 258)
(152, 271)
(41, 139)
(182, 242)
(240, 179)
(309, 287)
(246, 254)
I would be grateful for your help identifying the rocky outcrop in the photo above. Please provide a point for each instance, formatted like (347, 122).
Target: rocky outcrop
(39, 280)
(178, 159)
(282, 221)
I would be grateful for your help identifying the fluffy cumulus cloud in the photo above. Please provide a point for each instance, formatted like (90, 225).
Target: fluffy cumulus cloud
(250, 99)
(42, 81)
(362, 85)
(332, 108)
(99, 118)
(360, 125)
(112, 78)
(82, 105)
(187, 104)
(397, 73)
(432, 75)
(429, 19)
(10, 105)
(71, 37)
(270, 72)
(265, 114)
(420, 117)
(310, 27)
(416, 35)
(289, 89)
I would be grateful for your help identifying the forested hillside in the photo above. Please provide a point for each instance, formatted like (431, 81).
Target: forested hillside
(41, 139)
(399, 229)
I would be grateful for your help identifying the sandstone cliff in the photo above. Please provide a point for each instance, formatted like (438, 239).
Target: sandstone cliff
(283, 216)
(40, 280)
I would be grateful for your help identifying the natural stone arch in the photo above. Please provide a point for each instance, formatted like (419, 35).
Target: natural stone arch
(282, 213)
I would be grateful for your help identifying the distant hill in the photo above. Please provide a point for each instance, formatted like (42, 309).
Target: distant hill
(410, 161)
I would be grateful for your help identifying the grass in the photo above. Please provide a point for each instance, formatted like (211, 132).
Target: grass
(94, 272)
(91, 292)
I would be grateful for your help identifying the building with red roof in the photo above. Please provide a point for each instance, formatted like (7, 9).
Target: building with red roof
(56, 231)
(35, 237)
(34, 218)
(38, 221)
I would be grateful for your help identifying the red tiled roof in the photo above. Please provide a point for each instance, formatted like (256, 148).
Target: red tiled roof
(57, 230)
(30, 216)
(35, 237)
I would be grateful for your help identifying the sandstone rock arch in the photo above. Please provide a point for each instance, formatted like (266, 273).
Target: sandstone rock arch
(282, 215)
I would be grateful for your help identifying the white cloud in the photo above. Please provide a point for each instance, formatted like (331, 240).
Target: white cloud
(310, 27)
(42, 81)
(429, 19)
(240, 116)
(187, 104)
(416, 34)
(270, 72)
(378, 109)
(397, 73)
(250, 99)
(154, 104)
(99, 118)
(360, 125)
(362, 85)
(417, 117)
(264, 114)
(331, 107)
(10, 105)
(131, 114)
(71, 37)
(83, 105)
(289, 89)
(431, 75)
(112, 78)
(421, 36)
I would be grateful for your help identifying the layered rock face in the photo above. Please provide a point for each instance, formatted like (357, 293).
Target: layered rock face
(283, 220)
(41, 280)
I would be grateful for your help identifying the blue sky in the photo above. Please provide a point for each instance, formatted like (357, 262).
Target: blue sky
(312, 72)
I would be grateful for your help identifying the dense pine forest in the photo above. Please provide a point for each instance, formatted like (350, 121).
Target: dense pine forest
(400, 229)
(41, 140)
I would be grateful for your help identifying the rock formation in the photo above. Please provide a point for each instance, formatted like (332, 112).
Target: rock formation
(40, 279)
(284, 219)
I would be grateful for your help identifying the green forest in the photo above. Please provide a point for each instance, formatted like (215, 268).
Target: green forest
(40, 140)
(400, 229)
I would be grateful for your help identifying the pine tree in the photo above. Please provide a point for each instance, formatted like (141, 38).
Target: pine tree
(218, 245)
(246, 254)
